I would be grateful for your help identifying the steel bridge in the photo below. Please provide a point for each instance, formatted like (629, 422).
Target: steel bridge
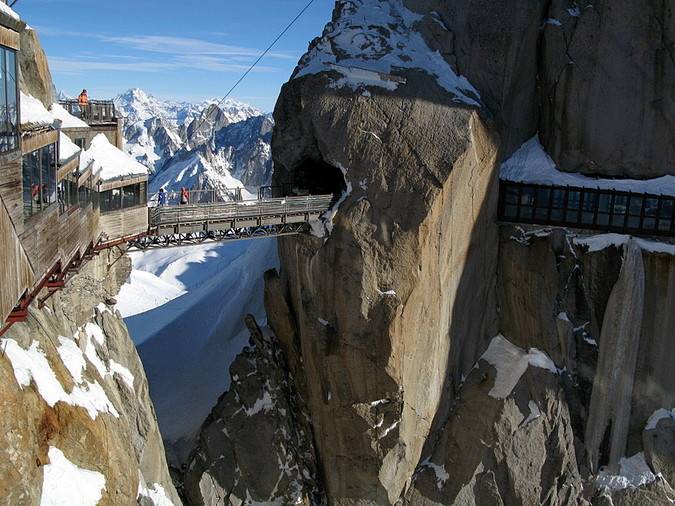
(190, 224)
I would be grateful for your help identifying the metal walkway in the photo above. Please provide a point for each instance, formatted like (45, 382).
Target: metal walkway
(225, 221)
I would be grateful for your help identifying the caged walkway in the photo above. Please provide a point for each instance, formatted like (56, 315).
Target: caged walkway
(189, 224)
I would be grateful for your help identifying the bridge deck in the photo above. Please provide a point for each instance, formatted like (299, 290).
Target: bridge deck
(196, 223)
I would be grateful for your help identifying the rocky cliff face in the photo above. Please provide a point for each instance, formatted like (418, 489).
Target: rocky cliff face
(404, 111)
(75, 394)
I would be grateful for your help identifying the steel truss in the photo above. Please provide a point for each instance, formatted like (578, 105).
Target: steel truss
(152, 241)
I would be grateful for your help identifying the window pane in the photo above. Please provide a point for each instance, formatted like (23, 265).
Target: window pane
(666, 209)
(603, 219)
(603, 202)
(116, 199)
(635, 207)
(527, 197)
(573, 199)
(48, 166)
(543, 197)
(572, 217)
(27, 186)
(651, 206)
(541, 213)
(664, 225)
(130, 196)
(511, 195)
(510, 211)
(587, 218)
(526, 212)
(558, 199)
(620, 204)
(556, 215)
(12, 109)
(590, 200)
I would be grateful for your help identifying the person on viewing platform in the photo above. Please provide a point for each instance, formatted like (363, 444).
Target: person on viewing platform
(161, 198)
(83, 102)
(184, 196)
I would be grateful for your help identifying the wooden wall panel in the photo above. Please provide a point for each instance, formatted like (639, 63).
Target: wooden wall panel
(16, 274)
(125, 222)
(32, 142)
(11, 187)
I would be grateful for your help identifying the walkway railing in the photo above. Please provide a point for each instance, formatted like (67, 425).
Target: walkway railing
(173, 198)
(97, 111)
(272, 209)
(606, 210)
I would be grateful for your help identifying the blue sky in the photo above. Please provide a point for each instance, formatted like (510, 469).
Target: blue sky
(182, 50)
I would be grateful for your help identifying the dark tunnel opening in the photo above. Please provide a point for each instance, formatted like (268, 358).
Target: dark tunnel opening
(316, 177)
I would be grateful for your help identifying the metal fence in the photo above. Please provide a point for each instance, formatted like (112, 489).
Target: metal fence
(607, 210)
(250, 209)
(96, 111)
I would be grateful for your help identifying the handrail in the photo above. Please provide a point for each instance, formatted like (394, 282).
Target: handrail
(248, 209)
(101, 111)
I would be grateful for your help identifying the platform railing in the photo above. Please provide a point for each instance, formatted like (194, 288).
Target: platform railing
(96, 111)
(243, 210)
(174, 197)
(589, 208)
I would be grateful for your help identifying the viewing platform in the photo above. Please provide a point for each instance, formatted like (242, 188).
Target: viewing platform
(623, 212)
(94, 113)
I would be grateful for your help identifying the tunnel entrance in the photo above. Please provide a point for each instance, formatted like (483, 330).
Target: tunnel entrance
(316, 177)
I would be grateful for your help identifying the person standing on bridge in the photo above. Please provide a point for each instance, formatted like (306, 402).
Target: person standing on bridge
(83, 102)
(161, 198)
(184, 196)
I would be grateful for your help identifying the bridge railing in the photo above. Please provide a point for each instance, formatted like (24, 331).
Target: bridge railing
(173, 198)
(96, 111)
(591, 208)
(248, 209)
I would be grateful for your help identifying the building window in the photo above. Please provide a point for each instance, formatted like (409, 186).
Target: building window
(9, 120)
(67, 194)
(80, 143)
(39, 180)
(129, 196)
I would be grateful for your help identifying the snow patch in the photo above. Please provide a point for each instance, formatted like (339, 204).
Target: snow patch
(33, 112)
(265, 404)
(511, 363)
(371, 41)
(154, 493)
(67, 119)
(66, 483)
(633, 472)
(657, 416)
(123, 372)
(67, 148)
(603, 241)
(112, 162)
(439, 470)
(6, 9)
(531, 164)
(72, 358)
(535, 413)
(553, 21)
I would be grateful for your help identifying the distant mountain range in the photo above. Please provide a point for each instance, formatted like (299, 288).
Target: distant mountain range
(199, 145)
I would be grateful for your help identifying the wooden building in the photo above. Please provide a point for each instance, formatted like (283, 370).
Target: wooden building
(50, 218)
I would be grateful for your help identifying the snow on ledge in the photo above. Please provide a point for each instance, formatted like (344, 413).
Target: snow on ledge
(6, 9)
(33, 112)
(599, 242)
(112, 162)
(66, 483)
(633, 472)
(67, 148)
(531, 164)
(31, 365)
(657, 416)
(155, 493)
(67, 119)
(511, 362)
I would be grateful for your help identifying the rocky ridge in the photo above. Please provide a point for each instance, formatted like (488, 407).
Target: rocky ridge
(400, 322)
